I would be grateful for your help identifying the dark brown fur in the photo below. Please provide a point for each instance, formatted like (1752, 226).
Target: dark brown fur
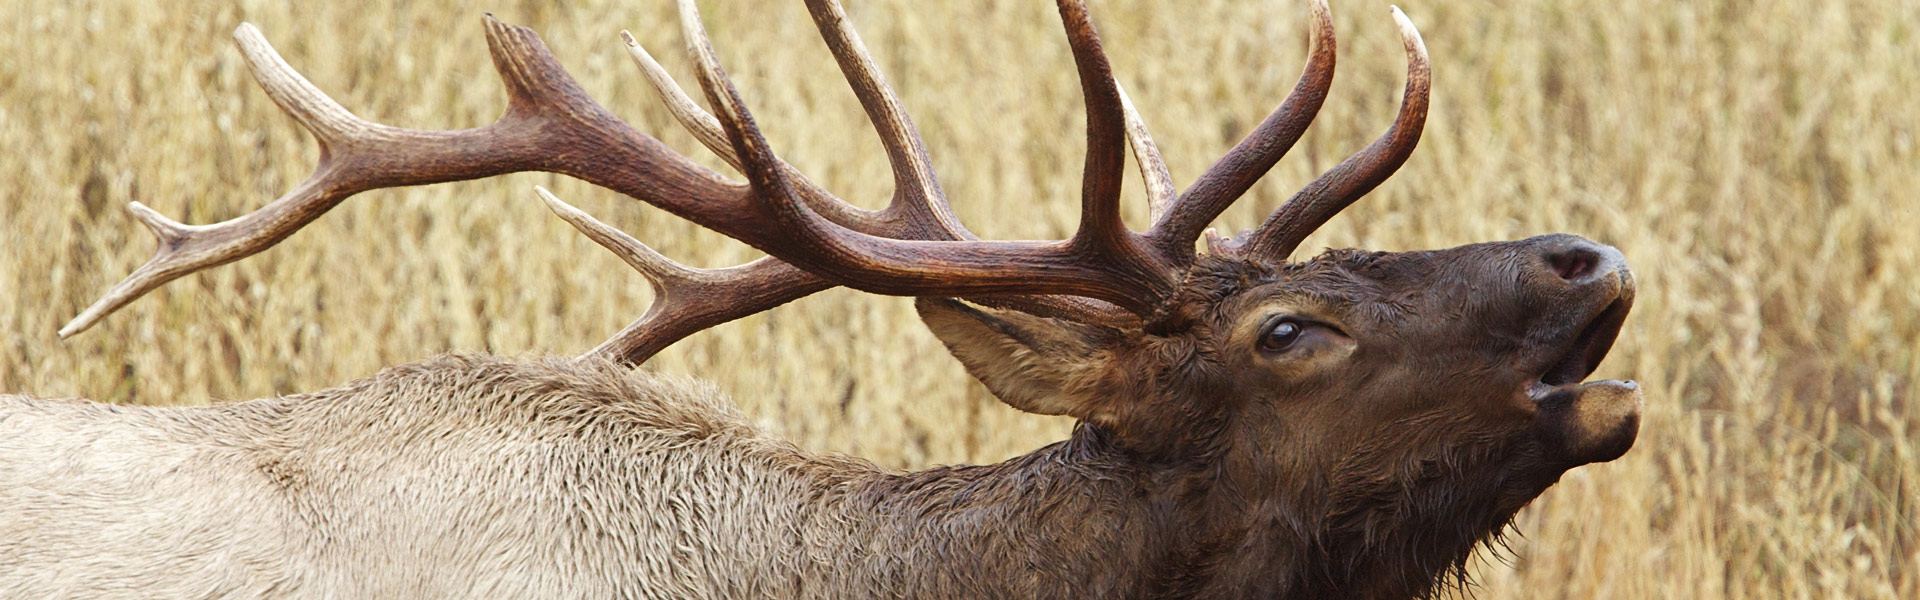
(1374, 476)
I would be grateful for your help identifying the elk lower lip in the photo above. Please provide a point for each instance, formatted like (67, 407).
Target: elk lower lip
(1588, 422)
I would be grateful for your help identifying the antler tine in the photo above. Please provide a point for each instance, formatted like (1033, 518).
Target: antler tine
(661, 272)
(686, 299)
(917, 191)
(696, 120)
(706, 129)
(1100, 221)
(1236, 171)
(1340, 186)
(1153, 168)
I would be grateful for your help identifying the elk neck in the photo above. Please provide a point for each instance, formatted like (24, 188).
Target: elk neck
(1104, 521)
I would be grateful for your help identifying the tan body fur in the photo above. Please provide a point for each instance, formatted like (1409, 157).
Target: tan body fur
(462, 477)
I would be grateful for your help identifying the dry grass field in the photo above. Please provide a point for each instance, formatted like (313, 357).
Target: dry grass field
(1756, 160)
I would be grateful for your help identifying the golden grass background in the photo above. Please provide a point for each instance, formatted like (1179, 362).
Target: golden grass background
(1755, 159)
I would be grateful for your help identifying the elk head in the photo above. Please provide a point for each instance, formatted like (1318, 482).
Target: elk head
(1392, 408)
(1328, 355)
(1385, 406)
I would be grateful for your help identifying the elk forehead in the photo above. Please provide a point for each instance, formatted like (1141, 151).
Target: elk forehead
(1333, 285)
(1540, 283)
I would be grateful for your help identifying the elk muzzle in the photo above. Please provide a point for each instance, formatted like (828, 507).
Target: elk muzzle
(1592, 422)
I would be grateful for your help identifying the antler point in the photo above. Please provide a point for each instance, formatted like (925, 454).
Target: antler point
(553, 202)
(71, 328)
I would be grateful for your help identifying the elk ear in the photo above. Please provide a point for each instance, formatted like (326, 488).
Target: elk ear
(1036, 364)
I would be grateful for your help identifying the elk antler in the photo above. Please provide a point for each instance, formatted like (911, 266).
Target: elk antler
(914, 246)
(549, 125)
(1236, 172)
(1346, 182)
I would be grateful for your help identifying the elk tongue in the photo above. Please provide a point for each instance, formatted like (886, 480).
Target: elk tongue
(1588, 422)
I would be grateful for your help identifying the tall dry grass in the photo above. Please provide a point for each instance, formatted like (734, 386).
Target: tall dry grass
(1755, 159)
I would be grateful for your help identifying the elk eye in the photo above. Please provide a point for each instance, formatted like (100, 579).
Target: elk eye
(1281, 335)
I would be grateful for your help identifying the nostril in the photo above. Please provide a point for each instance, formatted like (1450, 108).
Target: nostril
(1574, 264)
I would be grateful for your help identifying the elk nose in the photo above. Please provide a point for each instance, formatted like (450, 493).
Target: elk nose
(1579, 261)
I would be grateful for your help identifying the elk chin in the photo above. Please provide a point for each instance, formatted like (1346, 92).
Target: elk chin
(1587, 422)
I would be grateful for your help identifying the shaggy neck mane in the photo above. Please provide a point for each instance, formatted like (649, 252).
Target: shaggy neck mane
(1406, 528)
(1184, 531)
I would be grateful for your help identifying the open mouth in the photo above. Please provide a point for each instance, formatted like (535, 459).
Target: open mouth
(1583, 423)
(1588, 348)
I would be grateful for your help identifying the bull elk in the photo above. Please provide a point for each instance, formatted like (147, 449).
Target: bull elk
(1348, 426)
